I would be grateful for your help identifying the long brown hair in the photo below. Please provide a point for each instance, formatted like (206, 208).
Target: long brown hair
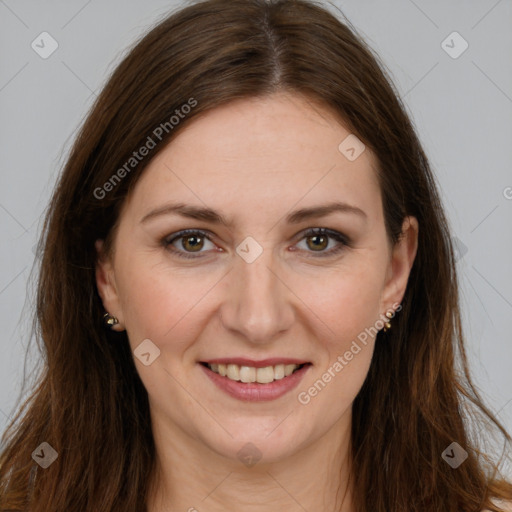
(89, 403)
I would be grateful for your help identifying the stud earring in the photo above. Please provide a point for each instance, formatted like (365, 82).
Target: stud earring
(387, 325)
(110, 320)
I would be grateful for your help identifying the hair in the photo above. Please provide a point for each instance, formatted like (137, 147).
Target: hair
(89, 403)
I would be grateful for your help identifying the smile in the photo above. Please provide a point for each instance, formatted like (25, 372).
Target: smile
(252, 374)
(255, 381)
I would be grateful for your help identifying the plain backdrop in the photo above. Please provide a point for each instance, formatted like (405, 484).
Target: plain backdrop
(459, 98)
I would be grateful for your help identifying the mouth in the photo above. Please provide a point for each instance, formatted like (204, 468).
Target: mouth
(254, 374)
(255, 381)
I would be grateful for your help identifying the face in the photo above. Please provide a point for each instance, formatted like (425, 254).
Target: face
(265, 281)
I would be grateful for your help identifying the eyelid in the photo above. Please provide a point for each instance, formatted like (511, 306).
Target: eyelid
(169, 240)
(343, 241)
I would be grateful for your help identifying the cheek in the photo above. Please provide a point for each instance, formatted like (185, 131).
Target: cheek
(345, 302)
(348, 308)
(170, 305)
(162, 305)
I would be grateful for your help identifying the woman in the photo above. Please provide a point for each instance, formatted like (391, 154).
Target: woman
(247, 296)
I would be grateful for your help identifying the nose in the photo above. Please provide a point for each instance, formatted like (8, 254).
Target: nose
(258, 306)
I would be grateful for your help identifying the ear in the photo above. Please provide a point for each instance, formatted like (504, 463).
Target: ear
(402, 259)
(105, 282)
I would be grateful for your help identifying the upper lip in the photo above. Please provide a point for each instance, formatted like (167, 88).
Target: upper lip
(242, 361)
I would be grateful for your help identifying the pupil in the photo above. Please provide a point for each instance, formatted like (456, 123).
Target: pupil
(320, 245)
(193, 245)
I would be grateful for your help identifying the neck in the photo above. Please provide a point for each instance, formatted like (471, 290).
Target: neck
(190, 477)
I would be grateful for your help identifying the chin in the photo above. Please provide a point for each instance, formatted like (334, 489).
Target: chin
(255, 441)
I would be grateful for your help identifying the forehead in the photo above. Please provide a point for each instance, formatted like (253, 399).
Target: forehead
(259, 153)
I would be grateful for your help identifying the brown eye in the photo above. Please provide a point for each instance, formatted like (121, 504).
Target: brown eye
(318, 242)
(192, 243)
(188, 243)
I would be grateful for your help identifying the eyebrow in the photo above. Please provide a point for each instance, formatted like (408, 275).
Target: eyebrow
(209, 215)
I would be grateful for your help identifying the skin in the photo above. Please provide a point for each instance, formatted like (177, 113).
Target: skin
(254, 161)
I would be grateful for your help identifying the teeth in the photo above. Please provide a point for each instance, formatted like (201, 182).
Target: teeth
(288, 369)
(251, 374)
(265, 375)
(233, 372)
(247, 374)
(278, 371)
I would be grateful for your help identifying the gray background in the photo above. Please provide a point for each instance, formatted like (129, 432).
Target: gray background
(462, 108)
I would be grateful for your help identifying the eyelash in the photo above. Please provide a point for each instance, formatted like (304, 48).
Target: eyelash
(342, 239)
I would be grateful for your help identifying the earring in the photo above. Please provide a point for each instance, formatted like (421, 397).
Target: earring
(110, 320)
(387, 325)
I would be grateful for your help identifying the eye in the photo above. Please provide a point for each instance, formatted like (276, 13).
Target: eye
(189, 241)
(317, 240)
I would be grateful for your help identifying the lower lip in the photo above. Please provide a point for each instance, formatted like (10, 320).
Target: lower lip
(254, 392)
